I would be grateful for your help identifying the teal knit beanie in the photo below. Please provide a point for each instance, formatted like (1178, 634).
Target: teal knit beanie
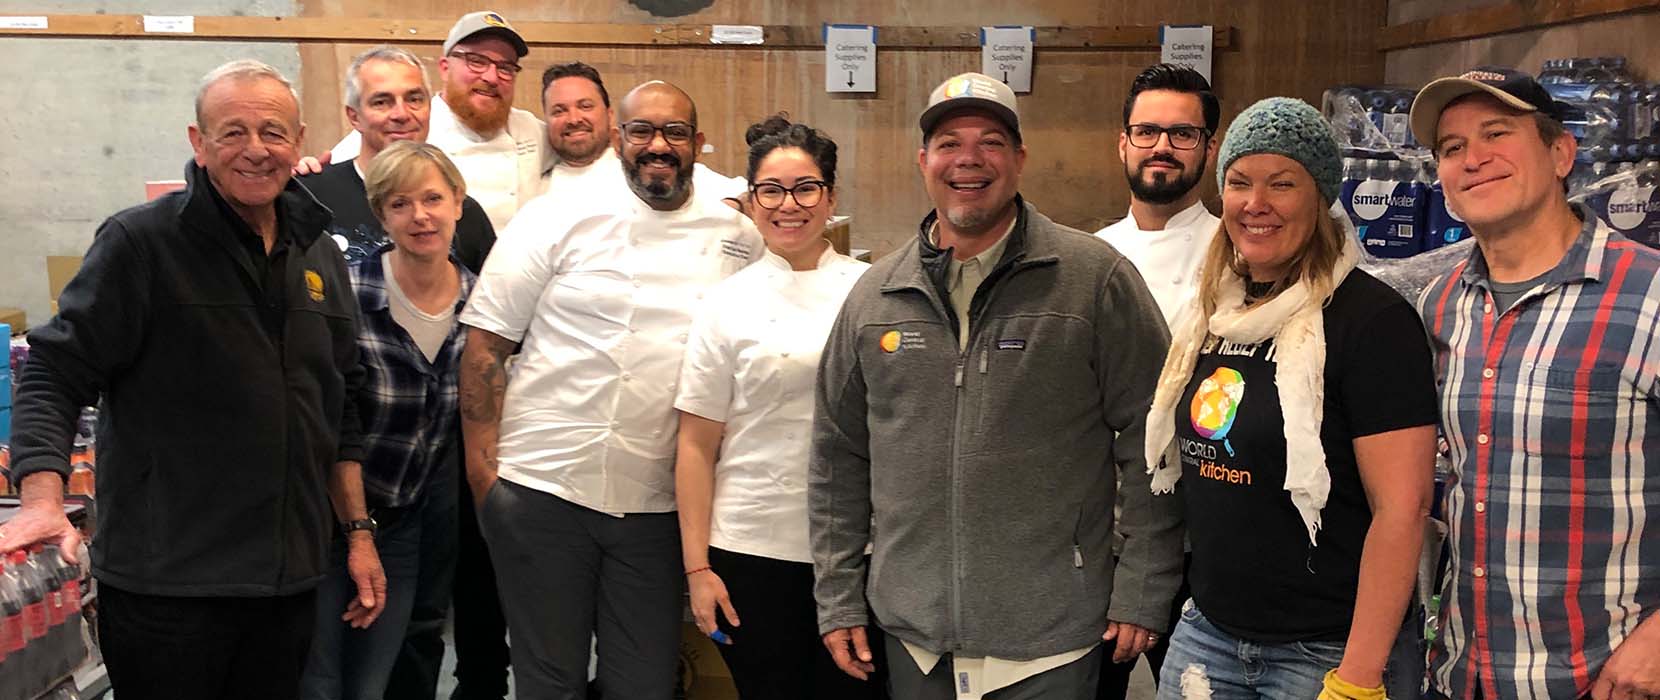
(1291, 128)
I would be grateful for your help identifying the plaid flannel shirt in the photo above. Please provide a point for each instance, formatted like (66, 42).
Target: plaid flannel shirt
(409, 406)
(1550, 410)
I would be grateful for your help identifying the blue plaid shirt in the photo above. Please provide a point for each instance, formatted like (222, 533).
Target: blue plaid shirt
(1551, 411)
(409, 406)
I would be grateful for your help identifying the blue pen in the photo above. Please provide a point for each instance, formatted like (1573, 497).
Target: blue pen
(720, 637)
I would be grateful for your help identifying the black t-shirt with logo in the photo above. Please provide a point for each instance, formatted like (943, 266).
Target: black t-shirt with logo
(1254, 572)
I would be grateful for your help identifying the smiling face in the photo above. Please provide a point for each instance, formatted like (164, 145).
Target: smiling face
(1269, 207)
(420, 214)
(1496, 170)
(248, 139)
(480, 99)
(792, 231)
(659, 172)
(394, 105)
(971, 169)
(579, 122)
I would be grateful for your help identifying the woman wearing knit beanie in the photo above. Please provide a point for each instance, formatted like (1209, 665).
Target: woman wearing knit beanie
(1297, 409)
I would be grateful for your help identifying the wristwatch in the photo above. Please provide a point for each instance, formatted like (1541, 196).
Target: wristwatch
(355, 525)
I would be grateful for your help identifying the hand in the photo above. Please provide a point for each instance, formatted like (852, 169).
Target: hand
(363, 563)
(480, 487)
(40, 519)
(857, 662)
(708, 590)
(1334, 687)
(1132, 640)
(311, 165)
(1633, 672)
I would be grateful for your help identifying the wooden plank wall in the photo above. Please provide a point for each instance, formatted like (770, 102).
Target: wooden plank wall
(1631, 35)
(1071, 118)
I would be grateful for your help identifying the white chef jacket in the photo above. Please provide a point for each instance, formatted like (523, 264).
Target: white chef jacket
(1168, 259)
(751, 363)
(503, 172)
(606, 171)
(602, 293)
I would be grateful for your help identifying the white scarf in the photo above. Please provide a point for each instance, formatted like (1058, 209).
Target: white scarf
(1294, 320)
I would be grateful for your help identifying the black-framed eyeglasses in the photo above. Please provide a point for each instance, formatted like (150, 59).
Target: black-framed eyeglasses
(807, 194)
(479, 63)
(1182, 136)
(641, 132)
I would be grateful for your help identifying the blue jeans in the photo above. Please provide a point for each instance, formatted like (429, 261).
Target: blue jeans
(1237, 669)
(354, 664)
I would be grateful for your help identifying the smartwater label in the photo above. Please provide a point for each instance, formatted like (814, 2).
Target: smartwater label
(1387, 215)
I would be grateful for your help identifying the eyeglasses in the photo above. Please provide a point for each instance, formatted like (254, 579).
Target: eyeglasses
(1182, 137)
(807, 194)
(478, 63)
(641, 133)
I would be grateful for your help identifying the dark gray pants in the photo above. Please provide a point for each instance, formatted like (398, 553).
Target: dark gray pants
(566, 572)
(1074, 681)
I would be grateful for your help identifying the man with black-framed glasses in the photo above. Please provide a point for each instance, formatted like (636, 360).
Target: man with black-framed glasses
(1170, 121)
(500, 150)
(570, 459)
(1169, 137)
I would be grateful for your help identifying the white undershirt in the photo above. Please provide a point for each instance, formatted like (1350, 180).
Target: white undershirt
(429, 331)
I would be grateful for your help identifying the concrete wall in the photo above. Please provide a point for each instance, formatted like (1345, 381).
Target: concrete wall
(86, 122)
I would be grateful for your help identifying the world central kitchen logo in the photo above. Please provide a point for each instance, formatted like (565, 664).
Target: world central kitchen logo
(1372, 199)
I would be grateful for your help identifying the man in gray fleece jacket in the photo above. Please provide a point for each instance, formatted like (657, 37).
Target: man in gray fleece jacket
(978, 396)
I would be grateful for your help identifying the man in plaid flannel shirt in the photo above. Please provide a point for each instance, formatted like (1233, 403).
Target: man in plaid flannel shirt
(1548, 350)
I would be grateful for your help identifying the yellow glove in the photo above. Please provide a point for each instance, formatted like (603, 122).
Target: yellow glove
(1338, 689)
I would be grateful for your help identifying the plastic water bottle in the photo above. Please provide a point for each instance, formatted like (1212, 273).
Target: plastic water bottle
(6, 389)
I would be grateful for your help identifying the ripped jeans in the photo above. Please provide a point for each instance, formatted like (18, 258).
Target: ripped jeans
(1237, 669)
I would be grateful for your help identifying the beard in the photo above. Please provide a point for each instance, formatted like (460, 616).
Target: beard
(483, 121)
(654, 190)
(969, 218)
(1164, 187)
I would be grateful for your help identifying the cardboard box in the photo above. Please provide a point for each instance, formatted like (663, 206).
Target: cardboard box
(703, 674)
(840, 232)
(15, 318)
(59, 270)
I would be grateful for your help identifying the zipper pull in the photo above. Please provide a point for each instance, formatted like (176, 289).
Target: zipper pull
(985, 358)
(959, 378)
(1077, 557)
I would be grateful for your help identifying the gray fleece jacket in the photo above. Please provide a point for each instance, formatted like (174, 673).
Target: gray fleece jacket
(985, 479)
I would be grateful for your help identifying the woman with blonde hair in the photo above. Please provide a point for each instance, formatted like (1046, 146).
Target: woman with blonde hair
(1297, 409)
(409, 293)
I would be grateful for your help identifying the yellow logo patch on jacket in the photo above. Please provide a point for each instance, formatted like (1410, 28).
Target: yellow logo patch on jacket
(314, 285)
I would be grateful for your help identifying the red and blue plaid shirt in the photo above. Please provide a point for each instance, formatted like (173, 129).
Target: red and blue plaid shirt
(1551, 411)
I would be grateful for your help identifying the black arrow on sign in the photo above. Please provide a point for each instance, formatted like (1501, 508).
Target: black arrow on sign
(1005, 77)
(850, 78)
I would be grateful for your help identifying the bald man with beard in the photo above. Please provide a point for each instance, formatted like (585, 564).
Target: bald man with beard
(570, 459)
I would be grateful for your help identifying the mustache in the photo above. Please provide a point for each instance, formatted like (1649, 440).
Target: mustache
(668, 159)
(1172, 162)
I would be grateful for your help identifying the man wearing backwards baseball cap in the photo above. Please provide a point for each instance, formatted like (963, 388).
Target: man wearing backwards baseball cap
(498, 149)
(979, 396)
(1548, 344)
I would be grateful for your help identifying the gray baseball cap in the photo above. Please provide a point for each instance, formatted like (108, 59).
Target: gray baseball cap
(971, 90)
(475, 23)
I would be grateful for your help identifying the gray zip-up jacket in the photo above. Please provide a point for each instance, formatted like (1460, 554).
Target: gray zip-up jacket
(985, 479)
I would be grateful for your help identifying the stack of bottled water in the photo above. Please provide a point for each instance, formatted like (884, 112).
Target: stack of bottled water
(1616, 120)
(1390, 192)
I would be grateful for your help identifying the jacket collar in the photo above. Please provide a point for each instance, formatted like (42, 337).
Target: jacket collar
(204, 210)
(1028, 245)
